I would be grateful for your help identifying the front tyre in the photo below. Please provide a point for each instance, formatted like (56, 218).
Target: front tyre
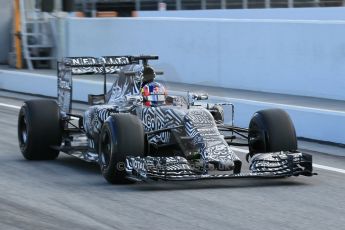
(39, 129)
(271, 130)
(122, 135)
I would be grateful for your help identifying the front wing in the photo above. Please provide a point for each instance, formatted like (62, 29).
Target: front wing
(268, 165)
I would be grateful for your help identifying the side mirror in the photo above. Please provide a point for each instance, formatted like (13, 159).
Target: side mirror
(200, 96)
(192, 97)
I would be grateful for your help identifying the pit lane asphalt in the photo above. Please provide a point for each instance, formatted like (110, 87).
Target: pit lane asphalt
(70, 194)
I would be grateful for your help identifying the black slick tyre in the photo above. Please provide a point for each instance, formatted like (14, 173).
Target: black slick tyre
(271, 130)
(39, 129)
(122, 135)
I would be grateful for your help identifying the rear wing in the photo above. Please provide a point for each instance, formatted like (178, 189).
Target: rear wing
(69, 66)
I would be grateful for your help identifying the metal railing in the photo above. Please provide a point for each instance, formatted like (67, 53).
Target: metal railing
(139, 5)
(231, 4)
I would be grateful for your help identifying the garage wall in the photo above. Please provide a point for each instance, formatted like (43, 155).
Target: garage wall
(300, 57)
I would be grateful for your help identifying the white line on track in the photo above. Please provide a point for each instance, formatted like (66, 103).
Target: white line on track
(328, 168)
(234, 148)
(10, 106)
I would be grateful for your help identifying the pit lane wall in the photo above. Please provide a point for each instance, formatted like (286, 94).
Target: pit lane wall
(297, 57)
(318, 124)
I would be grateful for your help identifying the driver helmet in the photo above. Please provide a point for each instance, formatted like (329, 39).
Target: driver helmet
(153, 94)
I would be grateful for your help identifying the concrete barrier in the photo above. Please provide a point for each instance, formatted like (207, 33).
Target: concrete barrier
(280, 56)
(42, 84)
(318, 124)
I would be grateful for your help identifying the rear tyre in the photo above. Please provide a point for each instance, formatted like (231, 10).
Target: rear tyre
(271, 130)
(39, 129)
(122, 135)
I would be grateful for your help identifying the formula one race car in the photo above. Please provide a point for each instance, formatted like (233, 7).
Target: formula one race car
(136, 132)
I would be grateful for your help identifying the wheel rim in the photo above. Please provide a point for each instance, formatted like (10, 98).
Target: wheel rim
(105, 150)
(256, 140)
(24, 131)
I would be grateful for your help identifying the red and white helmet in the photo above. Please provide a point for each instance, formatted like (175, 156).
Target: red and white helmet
(153, 94)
